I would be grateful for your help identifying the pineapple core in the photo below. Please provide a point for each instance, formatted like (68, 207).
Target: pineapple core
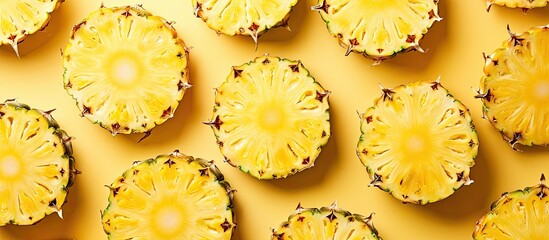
(168, 220)
(9, 166)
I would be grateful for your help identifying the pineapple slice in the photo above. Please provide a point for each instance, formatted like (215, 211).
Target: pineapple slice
(518, 215)
(378, 29)
(126, 69)
(36, 164)
(418, 142)
(524, 4)
(515, 90)
(250, 18)
(329, 223)
(173, 196)
(271, 118)
(20, 18)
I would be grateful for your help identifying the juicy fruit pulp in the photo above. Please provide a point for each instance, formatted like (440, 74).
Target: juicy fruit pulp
(378, 29)
(418, 142)
(170, 197)
(327, 223)
(524, 4)
(126, 68)
(19, 18)
(515, 90)
(36, 164)
(271, 117)
(251, 18)
(518, 215)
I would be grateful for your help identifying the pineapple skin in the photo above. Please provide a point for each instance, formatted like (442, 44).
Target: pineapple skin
(67, 147)
(524, 4)
(331, 213)
(540, 191)
(209, 168)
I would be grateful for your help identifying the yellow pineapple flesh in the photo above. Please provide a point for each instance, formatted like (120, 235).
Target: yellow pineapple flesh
(418, 142)
(126, 69)
(271, 117)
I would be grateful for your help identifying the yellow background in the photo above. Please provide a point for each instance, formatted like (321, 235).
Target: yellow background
(455, 48)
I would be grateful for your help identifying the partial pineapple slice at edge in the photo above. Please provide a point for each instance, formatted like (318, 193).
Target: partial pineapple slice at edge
(36, 164)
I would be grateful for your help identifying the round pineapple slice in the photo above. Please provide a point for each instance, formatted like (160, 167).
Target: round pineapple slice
(515, 88)
(250, 18)
(126, 69)
(378, 29)
(172, 196)
(418, 142)
(524, 4)
(518, 215)
(36, 164)
(271, 118)
(20, 18)
(327, 223)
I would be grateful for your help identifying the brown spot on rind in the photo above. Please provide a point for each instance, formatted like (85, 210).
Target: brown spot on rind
(431, 14)
(226, 225)
(204, 172)
(435, 85)
(85, 110)
(2, 114)
(167, 113)
(254, 27)
(126, 13)
(170, 162)
(331, 216)
(69, 84)
(353, 42)
(369, 119)
(459, 176)
(237, 72)
(306, 161)
(387, 93)
(300, 218)
(53, 203)
(324, 7)
(266, 61)
(411, 38)
(295, 68)
(320, 96)
(115, 127)
(215, 123)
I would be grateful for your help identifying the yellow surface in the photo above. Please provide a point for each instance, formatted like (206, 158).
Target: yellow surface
(455, 48)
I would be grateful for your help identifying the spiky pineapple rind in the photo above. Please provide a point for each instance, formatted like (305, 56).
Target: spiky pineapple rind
(173, 158)
(523, 4)
(332, 212)
(377, 180)
(66, 144)
(117, 127)
(216, 122)
(540, 191)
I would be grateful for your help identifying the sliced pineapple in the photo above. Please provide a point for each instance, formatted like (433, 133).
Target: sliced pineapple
(126, 69)
(524, 4)
(36, 164)
(518, 215)
(242, 17)
(271, 118)
(378, 29)
(515, 88)
(418, 142)
(327, 223)
(20, 18)
(172, 197)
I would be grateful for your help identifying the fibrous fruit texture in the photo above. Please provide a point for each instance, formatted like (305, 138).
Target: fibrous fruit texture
(327, 223)
(36, 164)
(378, 29)
(515, 88)
(172, 196)
(126, 69)
(418, 142)
(271, 117)
(238, 17)
(524, 4)
(20, 18)
(518, 215)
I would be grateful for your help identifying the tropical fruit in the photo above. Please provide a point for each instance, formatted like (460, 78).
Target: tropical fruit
(20, 18)
(271, 117)
(172, 196)
(524, 4)
(327, 223)
(36, 164)
(249, 18)
(515, 88)
(418, 142)
(518, 215)
(126, 69)
(378, 29)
